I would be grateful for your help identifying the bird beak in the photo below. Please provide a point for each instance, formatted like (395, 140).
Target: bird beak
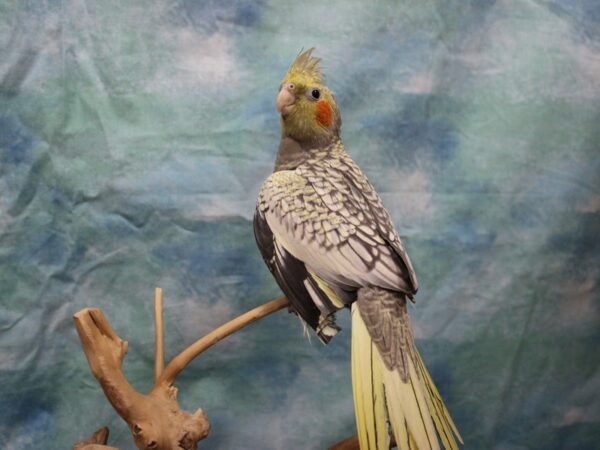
(286, 99)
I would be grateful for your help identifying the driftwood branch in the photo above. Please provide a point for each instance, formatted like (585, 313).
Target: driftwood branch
(352, 443)
(156, 421)
(159, 335)
(96, 441)
(347, 444)
(178, 363)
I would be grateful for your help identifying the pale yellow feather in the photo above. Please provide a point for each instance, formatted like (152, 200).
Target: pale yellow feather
(335, 299)
(414, 409)
(443, 421)
(409, 397)
(368, 388)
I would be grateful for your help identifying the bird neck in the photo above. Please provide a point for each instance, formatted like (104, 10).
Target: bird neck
(292, 153)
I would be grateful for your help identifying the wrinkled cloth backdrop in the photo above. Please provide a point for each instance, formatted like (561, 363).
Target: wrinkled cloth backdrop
(134, 137)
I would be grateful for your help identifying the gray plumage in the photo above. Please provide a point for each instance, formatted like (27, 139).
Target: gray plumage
(320, 209)
(386, 317)
(329, 242)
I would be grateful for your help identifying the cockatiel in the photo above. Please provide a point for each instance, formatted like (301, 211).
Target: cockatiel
(329, 242)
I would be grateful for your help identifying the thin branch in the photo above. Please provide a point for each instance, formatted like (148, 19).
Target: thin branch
(350, 443)
(97, 440)
(155, 420)
(159, 335)
(157, 416)
(105, 352)
(178, 363)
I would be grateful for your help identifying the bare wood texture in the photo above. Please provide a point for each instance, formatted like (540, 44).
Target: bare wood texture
(96, 441)
(352, 443)
(347, 444)
(178, 363)
(155, 420)
(96, 447)
(159, 335)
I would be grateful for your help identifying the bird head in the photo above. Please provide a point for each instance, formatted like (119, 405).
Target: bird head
(309, 113)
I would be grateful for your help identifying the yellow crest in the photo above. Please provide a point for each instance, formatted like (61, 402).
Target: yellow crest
(306, 67)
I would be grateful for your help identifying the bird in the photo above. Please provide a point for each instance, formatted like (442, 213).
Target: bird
(330, 244)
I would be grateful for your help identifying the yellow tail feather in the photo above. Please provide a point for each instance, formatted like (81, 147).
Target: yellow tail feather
(443, 422)
(413, 410)
(368, 388)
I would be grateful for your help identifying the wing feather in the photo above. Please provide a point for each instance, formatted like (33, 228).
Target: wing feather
(335, 223)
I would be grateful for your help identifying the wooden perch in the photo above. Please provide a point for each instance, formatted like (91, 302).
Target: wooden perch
(352, 443)
(96, 441)
(159, 335)
(156, 421)
(178, 363)
(347, 444)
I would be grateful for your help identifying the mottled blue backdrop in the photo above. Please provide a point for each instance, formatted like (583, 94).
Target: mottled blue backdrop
(134, 137)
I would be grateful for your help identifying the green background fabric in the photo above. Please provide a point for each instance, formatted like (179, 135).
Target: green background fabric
(134, 137)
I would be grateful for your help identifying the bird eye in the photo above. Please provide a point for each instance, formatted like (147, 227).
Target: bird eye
(315, 94)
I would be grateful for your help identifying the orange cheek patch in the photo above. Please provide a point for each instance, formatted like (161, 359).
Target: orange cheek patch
(324, 113)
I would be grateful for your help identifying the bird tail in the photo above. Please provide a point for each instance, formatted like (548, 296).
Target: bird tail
(386, 403)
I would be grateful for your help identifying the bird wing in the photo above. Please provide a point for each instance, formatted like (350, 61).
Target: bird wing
(288, 271)
(311, 298)
(327, 215)
(345, 189)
